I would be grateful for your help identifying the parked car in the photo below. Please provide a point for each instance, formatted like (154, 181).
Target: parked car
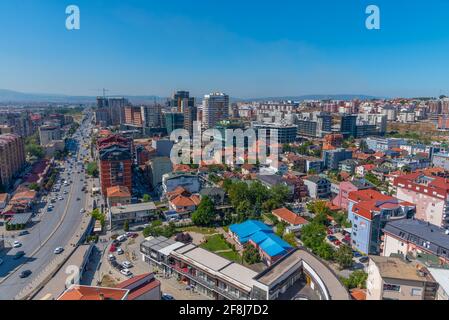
(332, 238)
(120, 251)
(337, 243)
(113, 248)
(356, 254)
(16, 244)
(166, 296)
(127, 264)
(122, 238)
(111, 257)
(364, 259)
(25, 274)
(23, 233)
(126, 272)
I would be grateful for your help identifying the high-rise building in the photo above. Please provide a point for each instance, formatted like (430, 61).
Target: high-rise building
(116, 108)
(182, 99)
(215, 109)
(315, 124)
(173, 121)
(12, 157)
(115, 167)
(190, 116)
(48, 134)
(151, 116)
(133, 116)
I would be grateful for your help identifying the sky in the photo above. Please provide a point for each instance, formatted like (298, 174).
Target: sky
(245, 48)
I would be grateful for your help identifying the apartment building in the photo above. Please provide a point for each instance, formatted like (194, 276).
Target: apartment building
(115, 167)
(215, 109)
(12, 157)
(49, 133)
(430, 193)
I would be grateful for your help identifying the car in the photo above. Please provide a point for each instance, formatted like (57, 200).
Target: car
(113, 248)
(127, 264)
(356, 254)
(122, 238)
(331, 238)
(337, 243)
(111, 257)
(23, 233)
(25, 274)
(82, 210)
(166, 296)
(78, 199)
(19, 255)
(120, 251)
(60, 198)
(364, 259)
(16, 244)
(126, 272)
(58, 250)
(116, 243)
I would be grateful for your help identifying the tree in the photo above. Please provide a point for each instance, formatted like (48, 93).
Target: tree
(34, 186)
(205, 213)
(325, 251)
(290, 239)
(97, 215)
(126, 226)
(343, 257)
(357, 279)
(251, 254)
(35, 150)
(146, 198)
(313, 235)
(92, 169)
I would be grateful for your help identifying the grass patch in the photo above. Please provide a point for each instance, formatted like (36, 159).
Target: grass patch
(231, 255)
(215, 243)
(201, 230)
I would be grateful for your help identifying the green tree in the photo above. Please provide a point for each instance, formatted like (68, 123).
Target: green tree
(290, 239)
(343, 257)
(357, 279)
(325, 251)
(313, 235)
(97, 215)
(146, 198)
(205, 213)
(251, 254)
(35, 150)
(92, 169)
(34, 186)
(126, 226)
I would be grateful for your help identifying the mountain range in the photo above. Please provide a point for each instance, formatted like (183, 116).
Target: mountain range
(10, 96)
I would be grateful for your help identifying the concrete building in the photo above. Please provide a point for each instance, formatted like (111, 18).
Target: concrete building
(138, 213)
(383, 144)
(188, 180)
(393, 279)
(429, 193)
(12, 157)
(115, 167)
(118, 195)
(345, 188)
(441, 160)
(315, 124)
(173, 121)
(369, 211)
(332, 158)
(416, 239)
(215, 109)
(157, 167)
(286, 133)
(318, 187)
(48, 134)
(151, 116)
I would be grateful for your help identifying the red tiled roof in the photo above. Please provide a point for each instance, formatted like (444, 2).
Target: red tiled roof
(118, 191)
(93, 293)
(289, 216)
(368, 194)
(358, 294)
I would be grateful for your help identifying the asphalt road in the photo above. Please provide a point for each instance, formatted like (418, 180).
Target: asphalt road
(55, 229)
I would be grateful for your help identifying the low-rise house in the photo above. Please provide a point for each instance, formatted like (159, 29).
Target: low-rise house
(188, 180)
(416, 239)
(318, 187)
(271, 247)
(391, 278)
(118, 195)
(348, 165)
(79, 292)
(183, 202)
(138, 213)
(360, 171)
(295, 222)
(142, 287)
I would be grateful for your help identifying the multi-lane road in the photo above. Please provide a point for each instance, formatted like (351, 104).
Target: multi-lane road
(51, 230)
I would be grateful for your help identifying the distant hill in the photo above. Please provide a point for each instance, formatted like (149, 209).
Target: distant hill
(10, 96)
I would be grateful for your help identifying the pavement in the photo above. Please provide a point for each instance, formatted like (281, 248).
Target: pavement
(57, 228)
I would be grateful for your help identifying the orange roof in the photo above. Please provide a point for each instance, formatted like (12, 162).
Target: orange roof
(3, 197)
(289, 216)
(358, 294)
(78, 292)
(183, 201)
(118, 191)
(140, 289)
(25, 195)
(368, 194)
(181, 168)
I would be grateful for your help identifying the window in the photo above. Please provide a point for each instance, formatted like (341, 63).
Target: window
(416, 292)
(391, 287)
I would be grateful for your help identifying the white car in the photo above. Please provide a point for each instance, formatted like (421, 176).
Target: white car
(126, 272)
(120, 251)
(127, 264)
(16, 244)
(82, 210)
(58, 250)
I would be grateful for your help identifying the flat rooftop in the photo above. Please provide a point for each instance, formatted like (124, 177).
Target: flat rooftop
(133, 208)
(396, 268)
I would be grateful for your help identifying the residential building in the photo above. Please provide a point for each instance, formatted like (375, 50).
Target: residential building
(115, 167)
(332, 158)
(416, 239)
(142, 287)
(79, 292)
(271, 181)
(49, 133)
(441, 160)
(133, 116)
(315, 124)
(115, 107)
(215, 109)
(182, 202)
(295, 221)
(151, 116)
(188, 180)
(318, 187)
(345, 188)
(285, 133)
(360, 171)
(271, 247)
(173, 121)
(117, 196)
(138, 213)
(348, 166)
(393, 279)
(12, 157)
(430, 193)
(157, 167)
(369, 211)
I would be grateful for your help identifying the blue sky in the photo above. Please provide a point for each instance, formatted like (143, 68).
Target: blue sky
(247, 48)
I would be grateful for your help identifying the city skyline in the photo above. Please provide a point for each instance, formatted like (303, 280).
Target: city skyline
(247, 51)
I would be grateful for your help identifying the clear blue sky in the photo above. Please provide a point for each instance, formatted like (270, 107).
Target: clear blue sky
(247, 48)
